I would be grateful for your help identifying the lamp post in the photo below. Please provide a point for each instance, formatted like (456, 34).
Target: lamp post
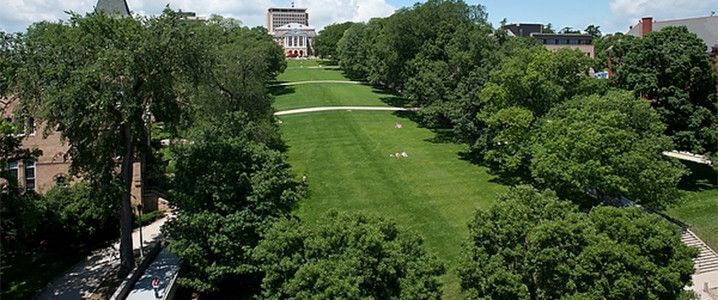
(139, 221)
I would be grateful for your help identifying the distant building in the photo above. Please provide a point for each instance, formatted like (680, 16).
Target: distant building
(523, 29)
(113, 7)
(705, 27)
(278, 17)
(556, 41)
(290, 28)
(296, 39)
(553, 41)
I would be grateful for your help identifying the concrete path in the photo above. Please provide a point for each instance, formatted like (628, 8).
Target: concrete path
(689, 157)
(82, 280)
(316, 82)
(347, 108)
(165, 267)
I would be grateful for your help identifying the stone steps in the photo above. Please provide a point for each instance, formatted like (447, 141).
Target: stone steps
(707, 260)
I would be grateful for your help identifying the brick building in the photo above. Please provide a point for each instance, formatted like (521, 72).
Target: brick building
(553, 41)
(53, 166)
(280, 16)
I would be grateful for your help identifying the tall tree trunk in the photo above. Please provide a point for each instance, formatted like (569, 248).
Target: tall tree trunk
(127, 258)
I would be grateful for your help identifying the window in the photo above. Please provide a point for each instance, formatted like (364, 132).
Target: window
(12, 170)
(29, 175)
(61, 180)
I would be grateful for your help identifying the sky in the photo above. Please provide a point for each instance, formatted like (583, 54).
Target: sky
(610, 15)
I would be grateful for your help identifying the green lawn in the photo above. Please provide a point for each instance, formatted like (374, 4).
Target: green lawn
(699, 208)
(329, 94)
(345, 156)
(305, 70)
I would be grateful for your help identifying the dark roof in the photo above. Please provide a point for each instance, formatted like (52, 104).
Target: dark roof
(112, 7)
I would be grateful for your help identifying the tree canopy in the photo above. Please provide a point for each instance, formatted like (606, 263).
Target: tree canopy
(531, 245)
(670, 67)
(95, 79)
(347, 256)
(228, 190)
(325, 45)
(609, 146)
(526, 85)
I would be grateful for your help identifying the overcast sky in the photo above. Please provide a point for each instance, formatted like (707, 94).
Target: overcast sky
(611, 15)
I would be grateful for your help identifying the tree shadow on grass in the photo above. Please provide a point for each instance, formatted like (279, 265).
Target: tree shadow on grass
(279, 90)
(702, 177)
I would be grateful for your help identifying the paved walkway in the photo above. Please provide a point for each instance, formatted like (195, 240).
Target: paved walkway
(83, 279)
(689, 157)
(165, 267)
(316, 82)
(347, 108)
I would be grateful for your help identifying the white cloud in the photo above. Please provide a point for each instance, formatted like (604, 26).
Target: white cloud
(326, 12)
(16, 15)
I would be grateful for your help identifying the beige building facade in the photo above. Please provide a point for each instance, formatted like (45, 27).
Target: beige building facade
(278, 17)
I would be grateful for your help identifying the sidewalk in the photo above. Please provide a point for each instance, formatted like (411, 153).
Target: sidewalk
(83, 279)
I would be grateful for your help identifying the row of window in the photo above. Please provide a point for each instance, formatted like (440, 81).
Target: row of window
(566, 42)
(26, 127)
(29, 168)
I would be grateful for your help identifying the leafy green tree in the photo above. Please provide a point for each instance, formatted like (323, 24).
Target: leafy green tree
(10, 60)
(609, 146)
(531, 245)
(227, 191)
(610, 46)
(594, 31)
(548, 28)
(325, 45)
(527, 84)
(79, 214)
(97, 79)
(352, 51)
(21, 214)
(241, 61)
(670, 68)
(347, 256)
(569, 30)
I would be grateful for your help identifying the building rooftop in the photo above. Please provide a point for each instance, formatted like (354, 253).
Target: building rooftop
(705, 27)
(291, 26)
(112, 7)
(286, 9)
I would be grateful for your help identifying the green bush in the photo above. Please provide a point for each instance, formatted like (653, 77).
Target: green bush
(79, 214)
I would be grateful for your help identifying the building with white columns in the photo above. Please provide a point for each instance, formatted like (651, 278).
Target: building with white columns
(296, 39)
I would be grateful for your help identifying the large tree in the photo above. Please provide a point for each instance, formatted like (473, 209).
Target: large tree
(608, 146)
(352, 52)
(97, 79)
(325, 45)
(672, 69)
(346, 256)
(227, 191)
(526, 85)
(531, 245)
